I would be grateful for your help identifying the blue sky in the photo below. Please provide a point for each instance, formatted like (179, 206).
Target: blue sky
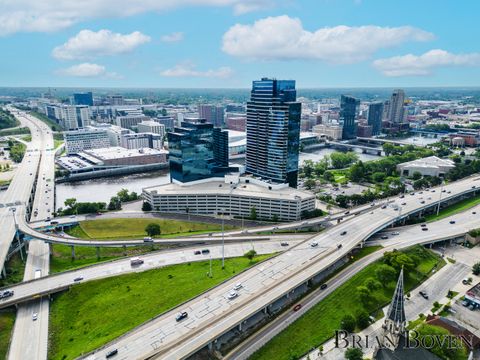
(228, 43)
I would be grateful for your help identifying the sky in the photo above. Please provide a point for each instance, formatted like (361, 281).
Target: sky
(229, 43)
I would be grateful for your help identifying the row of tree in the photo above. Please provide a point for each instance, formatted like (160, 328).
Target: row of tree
(17, 150)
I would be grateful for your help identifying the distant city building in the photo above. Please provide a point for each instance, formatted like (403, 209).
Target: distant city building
(429, 166)
(167, 121)
(130, 121)
(235, 108)
(214, 114)
(233, 195)
(330, 131)
(85, 139)
(70, 117)
(273, 131)
(121, 156)
(142, 140)
(151, 127)
(396, 110)
(83, 98)
(375, 114)
(235, 122)
(364, 130)
(114, 100)
(471, 139)
(115, 134)
(194, 155)
(348, 114)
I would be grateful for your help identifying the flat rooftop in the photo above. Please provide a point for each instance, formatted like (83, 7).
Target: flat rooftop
(116, 152)
(431, 162)
(218, 187)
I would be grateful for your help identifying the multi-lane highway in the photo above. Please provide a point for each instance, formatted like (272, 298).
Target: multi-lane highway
(30, 333)
(213, 314)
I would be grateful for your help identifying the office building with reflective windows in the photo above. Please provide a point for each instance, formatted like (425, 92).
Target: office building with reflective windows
(348, 114)
(198, 151)
(273, 131)
(375, 113)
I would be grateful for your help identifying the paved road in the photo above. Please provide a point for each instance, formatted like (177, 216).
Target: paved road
(30, 333)
(166, 339)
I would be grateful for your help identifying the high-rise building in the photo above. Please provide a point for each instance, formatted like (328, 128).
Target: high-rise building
(212, 113)
(396, 106)
(151, 126)
(375, 113)
(194, 155)
(85, 98)
(273, 131)
(85, 139)
(348, 114)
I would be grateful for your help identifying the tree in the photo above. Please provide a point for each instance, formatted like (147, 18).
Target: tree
(153, 229)
(363, 319)
(310, 184)
(146, 206)
(250, 254)
(354, 354)
(253, 213)
(385, 274)
(416, 175)
(348, 323)
(476, 268)
(123, 195)
(378, 177)
(357, 172)
(328, 176)
(341, 160)
(372, 284)
(365, 294)
(70, 202)
(115, 203)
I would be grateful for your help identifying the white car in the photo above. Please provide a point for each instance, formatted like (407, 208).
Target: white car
(232, 295)
(34, 316)
(314, 244)
(237, 286)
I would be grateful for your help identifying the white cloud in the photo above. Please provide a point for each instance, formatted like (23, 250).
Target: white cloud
(89, 44)
(87, 70)
(54, 15)
(283, 38)
(413, 65)
(173, 37)
(188, 69)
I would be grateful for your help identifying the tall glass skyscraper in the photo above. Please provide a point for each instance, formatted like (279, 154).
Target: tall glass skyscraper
(198, 151)
(273, 131)
(83, 98)
(375, 113)
(348, 112)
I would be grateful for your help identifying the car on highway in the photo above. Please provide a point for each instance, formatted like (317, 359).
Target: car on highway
(232, 294)
(474, 212)
(384, 206)
(339, 246)
(343, 233)
(404, 203)
(197, 252)
(423, 225)
(395, 233)
(423, 294)
(323, 286)
(452, 221)
(422, 202)
(283, 244)
(181, 315)
(412, 193)
(72, 216)
(136, 261)
(238, 286)
(297, 307)
(474, 187)
(34, 316)
(347, 212)
(384, 237)
(314, 244)
(402, 196)
(6, 293)
(424, 229)
(111, 353)
(80, 278)
(147, 239)
(205, 251)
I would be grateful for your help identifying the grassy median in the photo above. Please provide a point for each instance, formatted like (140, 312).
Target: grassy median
(454, 209)
(135, 228)
(94, 313)
(7, 319)
(319, 324)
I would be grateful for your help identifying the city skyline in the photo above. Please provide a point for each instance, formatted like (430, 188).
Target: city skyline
(320, 44)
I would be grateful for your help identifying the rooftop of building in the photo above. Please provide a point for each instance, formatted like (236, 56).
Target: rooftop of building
(116, 152)
(430, 162)
(241, 188)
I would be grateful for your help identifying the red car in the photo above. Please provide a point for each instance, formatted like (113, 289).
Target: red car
(297, 307)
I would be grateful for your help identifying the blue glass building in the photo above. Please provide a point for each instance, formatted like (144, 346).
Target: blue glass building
(198, 151)
(348, 113)
(83, 98)
(273, 131)
(375, 114)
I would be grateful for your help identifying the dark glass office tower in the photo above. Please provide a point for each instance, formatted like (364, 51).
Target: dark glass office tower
(348, 113)
(375, 113)
(197, 151)
(273, 131)
(83, 99)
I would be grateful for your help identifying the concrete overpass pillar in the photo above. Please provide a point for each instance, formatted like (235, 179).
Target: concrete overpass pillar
(4, 272)
(73, 252)
(240, 327)
(98, 252)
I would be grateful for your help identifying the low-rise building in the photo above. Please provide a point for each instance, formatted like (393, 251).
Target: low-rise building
(429, 166)
(232, 195)
(141, 140)
(151, 126)
(120, 156)
(330, 131)
(85, 139)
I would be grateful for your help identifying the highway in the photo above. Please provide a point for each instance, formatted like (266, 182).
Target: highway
(213, 314)
(30, 333)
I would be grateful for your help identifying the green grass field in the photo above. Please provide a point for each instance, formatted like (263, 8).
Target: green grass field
(15, 268)
(93, 313)
(135, 228)
(454, 209)
(7, 319)
(319, 324)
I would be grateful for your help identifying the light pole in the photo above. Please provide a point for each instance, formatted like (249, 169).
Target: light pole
(223, 239)
(440, 200)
